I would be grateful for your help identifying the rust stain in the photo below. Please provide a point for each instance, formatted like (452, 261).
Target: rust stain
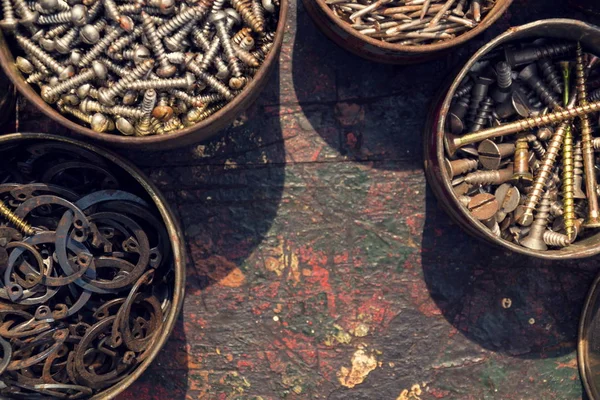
(280, 259)
(362, 364)
(235, 278)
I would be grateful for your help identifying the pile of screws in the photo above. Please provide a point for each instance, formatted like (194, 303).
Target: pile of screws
(520, 147)
(412, 22)
(86, 273)
(142, 67)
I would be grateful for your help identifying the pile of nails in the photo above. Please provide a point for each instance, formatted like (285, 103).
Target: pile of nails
(520, 147)
(86, 273)
(411, 22)
(142, 67)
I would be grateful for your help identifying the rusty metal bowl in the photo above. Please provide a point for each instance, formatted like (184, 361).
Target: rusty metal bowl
(588, 346)
(171, 224)
(434, 156)
(201, 131)
(376, 50)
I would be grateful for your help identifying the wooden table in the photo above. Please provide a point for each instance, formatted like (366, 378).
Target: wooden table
(320, 265)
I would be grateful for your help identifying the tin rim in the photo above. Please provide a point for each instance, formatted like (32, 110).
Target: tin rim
(173, 228)
(212, 125)
(499, 8)
(434, 137)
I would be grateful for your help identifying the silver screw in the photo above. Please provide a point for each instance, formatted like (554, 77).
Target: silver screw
(100, 47)
(142, 128)
(166, 68)
(186, 82)
(77, 16)
(28, 17)
(31, 48)
(107, 95)
(9, 23)
(64, 44)
(124, 21)
(218, 20)
(98, 70)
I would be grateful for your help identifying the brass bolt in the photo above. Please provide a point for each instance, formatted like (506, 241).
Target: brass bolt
(521, 174)
(15, 220)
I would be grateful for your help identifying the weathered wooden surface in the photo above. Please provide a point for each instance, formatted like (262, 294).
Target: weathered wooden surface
(320, 265)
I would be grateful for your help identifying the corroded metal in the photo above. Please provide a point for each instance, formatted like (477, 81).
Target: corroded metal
(92, 292)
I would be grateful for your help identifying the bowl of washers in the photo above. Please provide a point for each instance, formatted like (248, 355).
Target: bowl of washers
(403, 31)
(509, 147)
(152, 75)
(92, 269)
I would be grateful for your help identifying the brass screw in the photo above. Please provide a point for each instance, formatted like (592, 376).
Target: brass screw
(453, 142)
(568, 176)
(593, 219)
(521, 162)
(15, 220)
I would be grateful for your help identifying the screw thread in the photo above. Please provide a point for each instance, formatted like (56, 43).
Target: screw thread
(126, 40)
(586, 141)
(551, 75)
(244, 8)
(568, 184)
(213, 82)
(594, 96)
(223, 34)
(154, 39)
(259, 13)
(78, 114)
(171, 83)
(483, 113)
(251, 61)
(189, 14)
(241, 35)
(99, 47)
(53, 19)
(210, 111)
(556, 239)
(11, 217)
(504, 75)
(543, 173)
(40, 54)
(7, 10)
(36, 77)
(57, 31)
(210, 54)
(494, 177)
(64, 44)
(180, 35)
(111, 9)
(538, 149)
(24, 11)
(149, 101)
(554, 50)
(93, 10)
(464, 89)
(71, 83)
(115, 68)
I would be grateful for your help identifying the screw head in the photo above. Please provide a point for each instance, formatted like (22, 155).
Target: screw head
(24, 65)
(166, 6)
(101, 123)
(483, 206)
(141, 54)
(79, 15)
(47, 44)
(76, 56)
(48, 5)
(89, 34)
(489, 154)
(99, 69)
(162, 113)
(233, 16)
(66, 73)
(237, 83)
(83, 91)
(47, 95)
(130, 97)
(173, 44)
(218, 16)
(9, 24)
(30, 18)
(166, 71)
(528, 72)
(61, 46)
(126, 23)
(105, 98)
(191, 79)
(125, 126)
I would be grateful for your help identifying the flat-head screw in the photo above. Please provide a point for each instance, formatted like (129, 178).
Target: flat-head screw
(593, 217)
(542, 175)
(508, 198)
(491, 153)
(515, 104)
(535, 239)
(166, 69)
(9, 23)
(494, 177)
(531, 54)
(459, 167)
(28, 17)
(456, 115)
(484, 207)
(530, 75)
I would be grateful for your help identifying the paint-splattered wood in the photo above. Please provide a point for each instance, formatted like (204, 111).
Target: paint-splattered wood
(320, 265)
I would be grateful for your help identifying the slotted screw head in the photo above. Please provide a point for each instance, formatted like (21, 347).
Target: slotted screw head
(24, 65)
(89, 34)
(483, 206)
(47, 44)
(166, 71)
(141, 54)
(233, 16)
(218, 16)
(101, 123)
(237, 83)
(125, 126)
(126, 23)
(163, 113)
(79, 15)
